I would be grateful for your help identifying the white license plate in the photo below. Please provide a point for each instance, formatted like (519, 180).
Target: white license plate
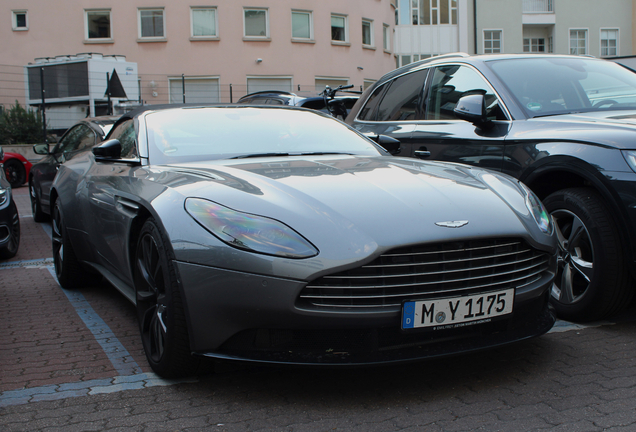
(454, 312)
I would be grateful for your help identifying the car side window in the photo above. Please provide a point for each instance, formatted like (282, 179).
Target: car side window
(402, 100)
(449, 84)
(125, 133)
(69, 141)
(369, 109)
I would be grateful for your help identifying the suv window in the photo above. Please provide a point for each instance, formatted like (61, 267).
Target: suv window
(403, 97)
(125, 133)
(449, 84)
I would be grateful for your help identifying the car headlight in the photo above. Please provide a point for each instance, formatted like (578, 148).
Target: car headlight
(4, 195)
(538, 211)
(249, 232)
(630, 158)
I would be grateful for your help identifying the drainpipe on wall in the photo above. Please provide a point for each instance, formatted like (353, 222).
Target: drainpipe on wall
(475, 22)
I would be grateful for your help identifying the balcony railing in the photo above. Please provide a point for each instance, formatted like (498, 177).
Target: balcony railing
(538, 6)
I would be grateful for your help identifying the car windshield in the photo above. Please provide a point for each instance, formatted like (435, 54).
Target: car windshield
(192, 134)
(558, 85)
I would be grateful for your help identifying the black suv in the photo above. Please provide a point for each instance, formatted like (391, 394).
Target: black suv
(564, 125)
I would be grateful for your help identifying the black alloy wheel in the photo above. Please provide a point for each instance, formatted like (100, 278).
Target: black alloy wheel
(10, 249)
(36, 207)
(592, 280)
(69, 271)
(15, 172)
(159, 307)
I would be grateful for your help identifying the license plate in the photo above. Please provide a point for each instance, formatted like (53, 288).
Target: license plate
(452, 312)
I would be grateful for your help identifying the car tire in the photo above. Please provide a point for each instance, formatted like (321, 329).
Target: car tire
(592, 280)
(10, 249)
(69, 271)
(160, 309)
(15, 172)
(36, 207)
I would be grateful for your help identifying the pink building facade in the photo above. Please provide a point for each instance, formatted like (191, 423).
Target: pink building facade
(220, 50)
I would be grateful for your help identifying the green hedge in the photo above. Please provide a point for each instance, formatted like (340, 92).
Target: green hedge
(20, 125)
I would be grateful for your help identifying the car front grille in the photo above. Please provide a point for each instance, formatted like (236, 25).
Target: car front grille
(454, 268)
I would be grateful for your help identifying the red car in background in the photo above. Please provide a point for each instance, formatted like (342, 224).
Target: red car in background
(16, 168)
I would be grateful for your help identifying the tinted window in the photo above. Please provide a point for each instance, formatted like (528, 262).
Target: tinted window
(369, 110)
(558, 85)
(78, 138)
(449, 83)
(125, 133)
(403, 98)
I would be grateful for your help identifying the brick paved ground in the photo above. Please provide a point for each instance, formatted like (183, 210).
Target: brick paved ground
(72, 361)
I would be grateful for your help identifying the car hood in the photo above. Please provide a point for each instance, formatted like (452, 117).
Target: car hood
(350, 207)
(607, 128)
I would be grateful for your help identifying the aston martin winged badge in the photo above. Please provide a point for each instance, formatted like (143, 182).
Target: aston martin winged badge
(452, 224)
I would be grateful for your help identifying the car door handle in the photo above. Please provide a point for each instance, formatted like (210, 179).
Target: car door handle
(422, 154)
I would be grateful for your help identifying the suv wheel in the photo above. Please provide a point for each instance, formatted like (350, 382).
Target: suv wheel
(592, 279)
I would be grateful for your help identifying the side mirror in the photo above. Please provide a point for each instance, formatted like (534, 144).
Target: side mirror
(388, 143)
(472, 108)
(108, 150)
(41, 149)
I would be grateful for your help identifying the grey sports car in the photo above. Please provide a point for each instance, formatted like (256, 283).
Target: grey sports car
(282, 235)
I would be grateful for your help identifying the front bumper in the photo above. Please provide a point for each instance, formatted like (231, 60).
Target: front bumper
(241, 316)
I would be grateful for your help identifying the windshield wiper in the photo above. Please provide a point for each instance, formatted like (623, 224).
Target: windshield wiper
(256, 155)
(318, 153)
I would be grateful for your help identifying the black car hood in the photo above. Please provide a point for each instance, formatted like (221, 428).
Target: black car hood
(614, 129)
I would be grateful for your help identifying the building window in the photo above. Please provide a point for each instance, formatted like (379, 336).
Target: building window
(302, 27)
(367, 32)
(262, 83)
(19, 20)
(204, 23)
(550, 44)
(255, 23)
(151, 23)
(492, 41)
(534, 45)
(433, 12)
(339, 28)
(578, 42)
(386, 37)
(196, 89)
(609, 42)
(98, 24)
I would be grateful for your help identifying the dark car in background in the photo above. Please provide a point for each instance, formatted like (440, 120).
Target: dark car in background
(564, 125)
(280, 234)
(9, 218)
(79, 138)
(275, 97)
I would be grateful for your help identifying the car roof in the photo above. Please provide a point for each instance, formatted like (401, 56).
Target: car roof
(469, 59)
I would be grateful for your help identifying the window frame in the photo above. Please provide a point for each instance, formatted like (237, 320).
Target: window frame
(310, 14)
(213, 80)
(586, 48)
(215, 36)
(140, 36)
(386, 37)
(617, 40)
(535, 43)
(87, 38)
(14, 19)
(371, 43)
(256, 37)
(346, 29)
(492, 50)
